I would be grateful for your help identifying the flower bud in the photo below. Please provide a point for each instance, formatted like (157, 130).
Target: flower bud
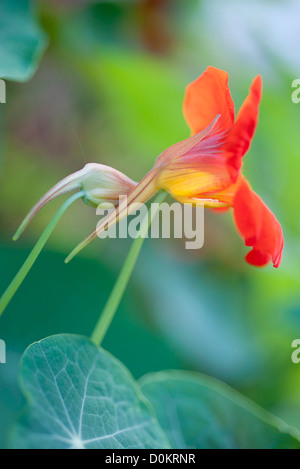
(103, 184)
(98, 182)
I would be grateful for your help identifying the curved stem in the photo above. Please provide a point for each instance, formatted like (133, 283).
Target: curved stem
(18, 279)
(118, 290)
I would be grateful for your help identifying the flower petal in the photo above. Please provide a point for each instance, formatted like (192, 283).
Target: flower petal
(195, 167)
(258, 226)
(206, 97)
(241, 134)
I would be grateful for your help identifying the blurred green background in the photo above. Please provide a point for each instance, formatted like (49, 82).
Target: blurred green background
(109, 89)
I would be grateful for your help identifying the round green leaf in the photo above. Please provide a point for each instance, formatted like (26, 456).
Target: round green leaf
(81, 397)
(196, 411)
(22, 41)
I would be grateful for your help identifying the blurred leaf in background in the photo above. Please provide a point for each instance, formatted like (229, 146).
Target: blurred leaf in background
(196, 411)
(22, 40)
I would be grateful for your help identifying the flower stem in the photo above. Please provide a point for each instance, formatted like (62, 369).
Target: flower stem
(119, 288)
(18, 279)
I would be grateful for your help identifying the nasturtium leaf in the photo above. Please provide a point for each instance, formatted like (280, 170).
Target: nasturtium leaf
(80, 396)
(63, 312)
(200, 412)
(22, 41)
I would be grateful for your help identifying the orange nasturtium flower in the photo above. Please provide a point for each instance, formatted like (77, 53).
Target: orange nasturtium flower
(207, 166)
(204, 168)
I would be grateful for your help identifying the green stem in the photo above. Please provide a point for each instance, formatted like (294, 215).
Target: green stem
(119, 288)
(18, 279)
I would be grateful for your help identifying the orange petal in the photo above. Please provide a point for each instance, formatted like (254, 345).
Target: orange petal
(241, 134)
(258, 226)
(219, 209)
(226, 196)
(195, 167)
(206, 97)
